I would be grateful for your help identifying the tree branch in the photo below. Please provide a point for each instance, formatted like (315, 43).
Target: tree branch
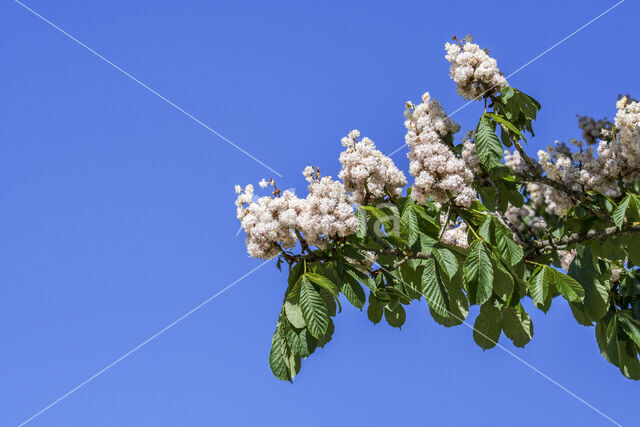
(544, 245)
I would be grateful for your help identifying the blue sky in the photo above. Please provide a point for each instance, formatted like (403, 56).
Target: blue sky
(117, 211)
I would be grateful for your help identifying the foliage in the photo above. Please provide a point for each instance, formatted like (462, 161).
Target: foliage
(400, 255)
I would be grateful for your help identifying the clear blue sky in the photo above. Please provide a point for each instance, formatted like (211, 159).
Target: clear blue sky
(117, 211)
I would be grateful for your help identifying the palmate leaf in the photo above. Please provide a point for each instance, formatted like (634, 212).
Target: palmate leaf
(294, 314)
(353, 291)
(567, 286)
(410, 220)
(616, 347)
(395, 317)
(620, 211)
(301, 342)
(540, 287)
(324, 339)
(362, 224)
(478, 273)
(375, 309)
(504, 123)
(596, 298)
(511, 251)
(487, 327)
(630, 326)
(488, 146)
(498, 234)
(447, 261)
(433, 288)
(503, 280)
(323, 282)
(313, 308)
(278, 356)
(517, 325)
(458, 303)
(411, 277)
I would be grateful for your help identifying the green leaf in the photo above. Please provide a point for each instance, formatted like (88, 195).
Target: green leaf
(458, 303)
(447, 261)
(301, 343)
(614, 346)
(362, 224)
(433, 289)
(633, 250)
(488, 146)
(353, 253)
(411, 277)
(425, 243)
(631, 327)
(487, 327)
(503, 281)
(313, 308)
(324, 339)
(504, 123)
(620, 211)
(567, 286)
(363, 278)
(478, 274)
(540, 285)
(323, 282)
(294, 314)
(486, 229)
(278, 357)
(596, 298)
(353, 291)
(375, 309)
(410, 219)
(395, 317)
(511, 251)
(488, 196)
(332, 303)
(504, 137)
(517, 325)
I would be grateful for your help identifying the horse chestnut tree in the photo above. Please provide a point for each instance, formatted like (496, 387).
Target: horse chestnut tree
(481, 224)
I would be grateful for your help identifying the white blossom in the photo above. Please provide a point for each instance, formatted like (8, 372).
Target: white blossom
(476, 73)
(455, 233)
(438, 173)
(469, 153)
(268, 223)
(366, 171)
(566, 258)
(327, 212)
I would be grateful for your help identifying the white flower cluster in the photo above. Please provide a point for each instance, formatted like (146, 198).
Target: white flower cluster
(476, 73)
(514, 161)
(618, 156)
(554, 201)
(327, 212)
(627, 123)
(367, 172)
(270, 223)
(566, 258)
(557, 163)
(456, 234)
(469, 153)
(438, 173)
